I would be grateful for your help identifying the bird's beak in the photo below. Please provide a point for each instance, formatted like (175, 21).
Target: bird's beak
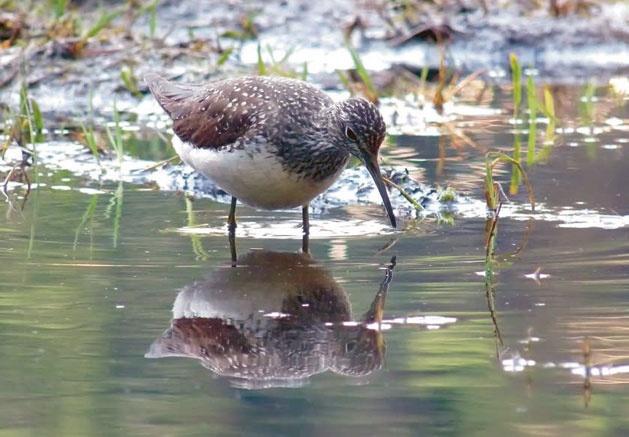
(371, 162)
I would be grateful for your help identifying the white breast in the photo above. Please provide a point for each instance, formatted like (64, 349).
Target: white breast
(257, 179)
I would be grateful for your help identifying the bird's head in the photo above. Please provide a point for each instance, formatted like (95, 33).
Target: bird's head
(358, 128)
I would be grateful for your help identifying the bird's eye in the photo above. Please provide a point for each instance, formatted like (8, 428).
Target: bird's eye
(349, 133)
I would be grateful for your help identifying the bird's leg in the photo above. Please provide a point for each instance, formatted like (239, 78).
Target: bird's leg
(305, 228)
(231, 226)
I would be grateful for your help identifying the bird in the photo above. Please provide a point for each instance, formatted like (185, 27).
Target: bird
(270, 142)
(274, 322)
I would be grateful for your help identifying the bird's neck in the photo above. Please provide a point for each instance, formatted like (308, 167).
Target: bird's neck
(312, 155)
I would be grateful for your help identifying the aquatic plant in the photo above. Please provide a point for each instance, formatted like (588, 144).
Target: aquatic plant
(25, 128)
(262, 71)
(418, 207)
(130, 81)
(58, 7)
(115, 137)
(438, 99)
(90, 141)
(493, 190)
(114, 211)
(151, 10)
(88, 215)
(369, 89)
(104, 20)
(197, 244)
(447, 195)
(549, 109)
(31, 120)
(423, 77)
(532, 107)
(247, 29)
(448, 85)
(224, 55)
(516, 81)
(586, 104)
(279, 67)
(491, 229)
(445, 218)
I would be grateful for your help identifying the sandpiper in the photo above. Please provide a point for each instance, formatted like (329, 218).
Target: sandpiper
(276, 321)
(270, 142)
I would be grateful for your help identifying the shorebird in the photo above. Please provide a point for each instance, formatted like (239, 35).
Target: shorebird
(270, 142)
(274, 322)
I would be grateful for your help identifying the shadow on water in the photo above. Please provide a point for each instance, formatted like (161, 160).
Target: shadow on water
(274, 321)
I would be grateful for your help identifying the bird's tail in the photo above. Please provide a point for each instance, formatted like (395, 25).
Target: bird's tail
(168, 94)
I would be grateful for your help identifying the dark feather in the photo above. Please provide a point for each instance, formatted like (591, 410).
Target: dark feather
(200, 113)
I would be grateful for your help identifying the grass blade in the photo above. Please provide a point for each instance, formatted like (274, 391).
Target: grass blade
(516, 77)
(103, 21)
(363, 73)
(262, 71)
(532, 104)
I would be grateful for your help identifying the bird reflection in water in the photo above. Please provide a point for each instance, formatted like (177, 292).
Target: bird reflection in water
(274, 321)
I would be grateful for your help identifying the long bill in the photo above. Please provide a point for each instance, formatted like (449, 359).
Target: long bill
(371, 162)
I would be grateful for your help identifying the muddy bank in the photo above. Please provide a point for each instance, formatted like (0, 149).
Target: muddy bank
(199, 40)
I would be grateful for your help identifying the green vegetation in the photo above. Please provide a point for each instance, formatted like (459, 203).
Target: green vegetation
(493, 191)
(114, 212)
(87, 217)
(130, 81)
(532, 106)
(25, 129)
(549, 105)
(447, 195)
(104, 20)
(197, 243)
(90, 140)
(247, 29)
(115, 137)
(226, 53)
(369, 90)
(151, 10)
(516, 81)
(279, 67)
(404, 194)
(58, 7)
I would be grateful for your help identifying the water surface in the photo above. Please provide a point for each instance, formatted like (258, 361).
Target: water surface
(90, 279)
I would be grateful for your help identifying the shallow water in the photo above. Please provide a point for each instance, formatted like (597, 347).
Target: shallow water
(286, 344)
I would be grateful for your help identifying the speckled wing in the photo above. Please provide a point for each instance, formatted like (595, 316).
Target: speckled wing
(202, 115)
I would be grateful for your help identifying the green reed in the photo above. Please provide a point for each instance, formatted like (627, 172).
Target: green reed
(30, 120)
(115, 138)
(88, 215)
(516, 80)
(130, 81)
(532, 103)
(279, 67)
(492, 188)
(197, 244)
(90, 141)
(104, 21)
(114, 211)
(363, 74)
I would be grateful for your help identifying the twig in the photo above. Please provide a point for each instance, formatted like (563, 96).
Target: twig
(459, 86)
(403, 192)
(158, 164)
